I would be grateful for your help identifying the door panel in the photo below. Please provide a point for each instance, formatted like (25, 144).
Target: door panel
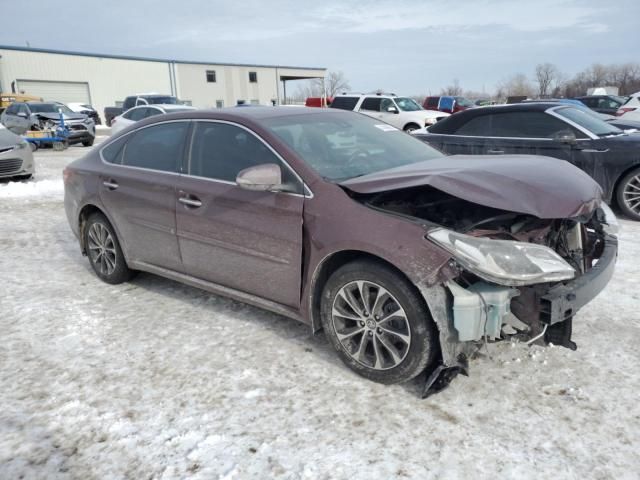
(138, 188)
(458, 145)
(143, 208)
(247, 240)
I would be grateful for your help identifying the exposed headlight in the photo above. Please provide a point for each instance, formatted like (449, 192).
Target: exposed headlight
(88, 120)
(610, 225)
(504, 262)
(22, 144)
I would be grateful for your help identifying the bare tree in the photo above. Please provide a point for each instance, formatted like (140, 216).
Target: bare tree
(547, 76)
(516, 85)
(454, 89)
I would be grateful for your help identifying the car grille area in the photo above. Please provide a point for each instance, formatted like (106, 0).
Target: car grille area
(10, 165)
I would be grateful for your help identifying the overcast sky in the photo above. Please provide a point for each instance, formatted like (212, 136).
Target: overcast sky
(404, 46)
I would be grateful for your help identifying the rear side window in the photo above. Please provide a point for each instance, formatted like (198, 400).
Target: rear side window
(371, 103)
(344, 103)
(159, 147)
(220, 151)
(112, 153)
(476, 127)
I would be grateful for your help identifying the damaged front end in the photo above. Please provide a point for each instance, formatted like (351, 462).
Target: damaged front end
(511, 275)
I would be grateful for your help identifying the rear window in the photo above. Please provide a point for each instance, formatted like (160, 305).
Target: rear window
(344, 103)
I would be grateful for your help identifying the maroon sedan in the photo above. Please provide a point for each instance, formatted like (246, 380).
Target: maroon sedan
(407, 259)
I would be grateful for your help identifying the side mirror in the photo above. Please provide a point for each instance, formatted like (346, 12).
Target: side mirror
(392, 109)
(262, 178)
(566, 137)
(22, 114)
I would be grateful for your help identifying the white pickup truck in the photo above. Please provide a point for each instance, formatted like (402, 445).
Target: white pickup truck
(401, 112)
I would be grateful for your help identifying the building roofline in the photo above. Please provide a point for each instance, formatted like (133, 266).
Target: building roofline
(148, 59)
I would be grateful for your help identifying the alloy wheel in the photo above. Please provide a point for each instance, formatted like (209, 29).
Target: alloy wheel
(371, 325)
(102, 249)
(631, 194)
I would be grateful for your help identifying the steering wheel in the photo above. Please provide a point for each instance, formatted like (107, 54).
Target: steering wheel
(356, 157)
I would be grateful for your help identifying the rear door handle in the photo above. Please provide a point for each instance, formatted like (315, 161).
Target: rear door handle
(110, 184)
(190, 201)
(495, 152)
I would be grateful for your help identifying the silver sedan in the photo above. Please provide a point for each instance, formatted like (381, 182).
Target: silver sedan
(16, 158)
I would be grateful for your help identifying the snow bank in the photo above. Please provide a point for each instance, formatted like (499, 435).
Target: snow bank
(31, 189)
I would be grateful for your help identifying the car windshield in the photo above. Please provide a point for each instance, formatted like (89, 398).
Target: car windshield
(350, 145)
(49, 108)
(407, 104)
(464, 102)
(594, 125)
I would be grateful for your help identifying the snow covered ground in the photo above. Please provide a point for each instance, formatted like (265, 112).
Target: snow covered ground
(153, 379)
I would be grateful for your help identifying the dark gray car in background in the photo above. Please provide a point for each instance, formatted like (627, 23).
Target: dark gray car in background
(609, 155)
(407, 259)
(20, 117)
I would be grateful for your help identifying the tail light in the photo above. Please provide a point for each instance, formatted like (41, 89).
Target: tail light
(67, 173)
(623, 110)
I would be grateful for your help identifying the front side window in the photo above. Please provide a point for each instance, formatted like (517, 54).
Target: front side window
(591, 123)
(407, 104)
(219, 151)
(253, 77)
(219, 103)
(12, 109)
(158, 147)
(386, 104)
(340, 146)
(211, 76)
(516, 125)
(136, 114)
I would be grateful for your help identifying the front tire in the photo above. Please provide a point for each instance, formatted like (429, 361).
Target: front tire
(104, 252)
(411, 127)
(628, 194)
(377, 322)
(88, 143)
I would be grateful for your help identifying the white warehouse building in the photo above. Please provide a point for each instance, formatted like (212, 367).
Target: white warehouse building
(105, 80)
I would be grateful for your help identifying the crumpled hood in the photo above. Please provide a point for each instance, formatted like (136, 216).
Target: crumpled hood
(536, 185)
(67, 116)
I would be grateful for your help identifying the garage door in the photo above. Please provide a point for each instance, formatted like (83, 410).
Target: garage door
(65, 92)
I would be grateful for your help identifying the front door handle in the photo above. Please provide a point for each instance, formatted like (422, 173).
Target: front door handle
(495, 152)
(110, 184)
(190, 201)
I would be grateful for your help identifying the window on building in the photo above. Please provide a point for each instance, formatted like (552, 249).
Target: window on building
(253, 77)
(211, 76)
(219, 103)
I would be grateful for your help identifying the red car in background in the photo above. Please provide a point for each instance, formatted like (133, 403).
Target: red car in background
(318, 101)
(447, 103)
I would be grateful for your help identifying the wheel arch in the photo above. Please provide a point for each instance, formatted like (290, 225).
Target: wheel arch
(410, 124)
(614, 191)
(333, 262)
(84, 213)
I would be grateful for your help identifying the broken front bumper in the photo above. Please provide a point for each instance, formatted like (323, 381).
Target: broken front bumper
(562, 301)
(548, 309)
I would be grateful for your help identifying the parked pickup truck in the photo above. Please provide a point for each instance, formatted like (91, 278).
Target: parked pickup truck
(401, 112)
(139, 99)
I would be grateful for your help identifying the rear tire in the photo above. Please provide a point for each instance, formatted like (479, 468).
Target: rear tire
(628, 194)
(388, 335)
(104, 252)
